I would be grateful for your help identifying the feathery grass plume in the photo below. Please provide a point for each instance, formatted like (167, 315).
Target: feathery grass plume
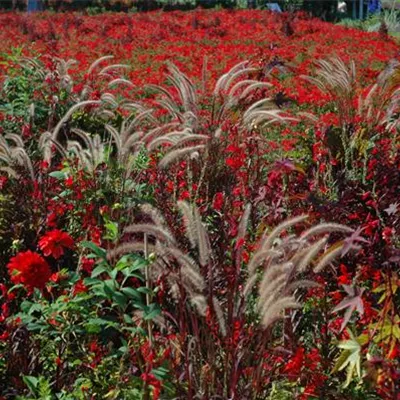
(155, 215)
(81, 100)
(275, 311)
(188, 220)
(309, 255)
(176, 139)
(110, 99)
(185, 87)
(338, 80)
(15, 155)
(335, 76)
(244, 221)
(187, 97)
(230, 89)
(159, 131)
(9, 171)
(202, 239)
(268, 239)
(252, 86)
(34, 65)
(200, 302)
(221, 84)
(178, 154)
(328, 258)
(301, 284)
(195, 231)
(90, 157)
(152, 230)
(128, 248)
(105, 70)
(261, 114)
(97, 62)
(259, 258)
(46, 143)
(16, 139)
(374, 106)
(325, 228)
(170, 139)
(182, 139)
(220, 316)
(242, 228)
(62, 70)
(169, 256)
(85, 136)
(190, 271)
(380, 104)
(226, 97)
(272, 286)
(274, 273)
(282, 261)
(70, 112)
(128, 141)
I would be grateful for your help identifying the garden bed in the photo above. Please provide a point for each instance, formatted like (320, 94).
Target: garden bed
(198, 205)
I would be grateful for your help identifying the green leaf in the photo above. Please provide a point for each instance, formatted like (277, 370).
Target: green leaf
(94, 325)
(120, 299)
(109, 287)
(111, 231)
(114, 273)
(64, 193)
(144, 290)
(26, 306)
(151, 312)
(98, 251)
(350, 357)
(99, 270)
(160, 373)
(133, 261)
(132, 293)
(58, 175)
(127, 319)
(31, 382)
(98, 321)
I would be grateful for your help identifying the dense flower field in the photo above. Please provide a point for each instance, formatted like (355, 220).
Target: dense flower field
(199, 205)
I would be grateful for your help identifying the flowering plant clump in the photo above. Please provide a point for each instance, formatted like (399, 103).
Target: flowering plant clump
(179, 223)
(54, 242)
(29, 269)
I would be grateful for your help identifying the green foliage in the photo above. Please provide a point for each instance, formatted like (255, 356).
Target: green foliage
(19, 93)
(350, 358)
(105, 307)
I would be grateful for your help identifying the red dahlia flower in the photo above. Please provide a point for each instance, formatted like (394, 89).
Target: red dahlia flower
(29, 269)
(54, 242)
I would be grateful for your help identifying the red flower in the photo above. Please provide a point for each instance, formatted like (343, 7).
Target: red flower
(29, 269)
(79, 287)
(293, 367)
(234, 162)
(218, 201)
(185, 195)
(54, 242)
(151, 380)
(87, 265)
(3, 181)
(69, 182)
(95, 235)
